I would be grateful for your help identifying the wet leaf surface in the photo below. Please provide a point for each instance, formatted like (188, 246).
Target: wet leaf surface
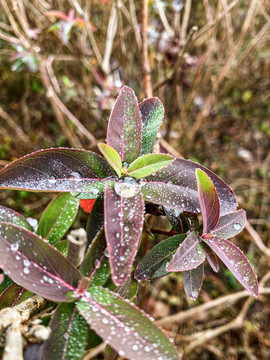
(209, 202)
(124, 131)
(236, 262)
(13, 295)
(193, 280)
(36, 265)
(189, 255)
(124, 219)
(153, 265)
(13, 217)
(183, 173)
(68, 336)
(152, 113)
(112, 157)
(148, 164)
(58, 217)
(125, 327)
(61, 170)
(230, 225)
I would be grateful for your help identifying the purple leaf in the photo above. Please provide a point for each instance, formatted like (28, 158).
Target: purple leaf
(11, 216)
(211, 258)
(34, 264)
(193, 280)
(209, 202)
(230, 225)
(125, 327)
(236, 262)
(68, 336)
(152, 112)
(124, 219)
(61, 170)
(124, 131)
(173, 196)
(188, 256)
(183, 173)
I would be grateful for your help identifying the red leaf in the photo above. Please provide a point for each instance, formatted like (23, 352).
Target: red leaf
(87, 205)
(188, 256)
(236, 262)
(230, 225)
(34, 264)
(61, 170)
(124, 132)
(124, 219)
(183, 173)
(209, 202)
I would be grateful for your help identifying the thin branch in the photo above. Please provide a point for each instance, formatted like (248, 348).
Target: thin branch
(163, 18)
(147, 86)
(111, 31)
(257, 239)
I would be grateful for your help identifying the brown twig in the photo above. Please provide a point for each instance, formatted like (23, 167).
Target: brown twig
(147, 86)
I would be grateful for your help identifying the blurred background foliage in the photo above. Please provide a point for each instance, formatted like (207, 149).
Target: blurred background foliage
(62, 65)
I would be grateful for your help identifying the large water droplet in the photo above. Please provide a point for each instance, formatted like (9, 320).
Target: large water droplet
(237, 226)
(127, 188)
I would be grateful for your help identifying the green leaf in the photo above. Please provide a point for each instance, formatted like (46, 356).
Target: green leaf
(152, 112)
(95, 221)
(68, 336)
(153, 265)
(58, 217)
(13, 295)
(112, 156)
(148, 164)
(124, 327)
(62, 246)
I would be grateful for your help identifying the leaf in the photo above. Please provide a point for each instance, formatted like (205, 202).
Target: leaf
(148, 164)
(189, 255)
(12, 217)
(183, 173)
(58, 217)
(152, 113)
(230, 225)
(13, 295)
(36, 265)
(193, 280)
(62, 247)
(173, 216)
(236, 262)
(209, 202)
(124, 219)
(95, 265)
(125, 327)
(87, 205)
(153, 265)
(173, 196)
(95, 221)
(68, 336)
(61, 170)
(211, 258)
(112, 157)
(124, 132)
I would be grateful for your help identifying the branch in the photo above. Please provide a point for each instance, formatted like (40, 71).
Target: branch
(147, 86)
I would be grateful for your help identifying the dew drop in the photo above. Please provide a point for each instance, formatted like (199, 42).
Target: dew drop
(26, 270)
(14, 247)
(237, 226)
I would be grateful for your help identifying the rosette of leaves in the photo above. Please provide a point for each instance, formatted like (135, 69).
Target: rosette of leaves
(187, 253)
(127, 176)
